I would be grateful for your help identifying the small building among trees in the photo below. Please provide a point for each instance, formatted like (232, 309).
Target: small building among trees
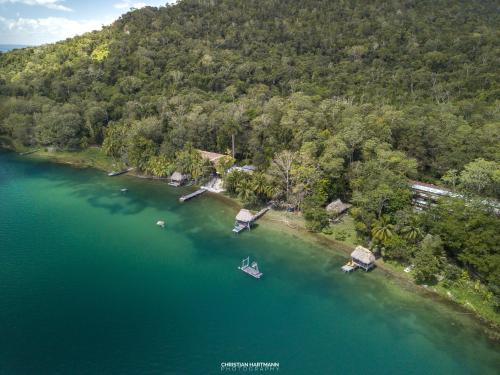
(425, 195)
(362, 257)
(337, 207)
(213, 157)
(177, 179)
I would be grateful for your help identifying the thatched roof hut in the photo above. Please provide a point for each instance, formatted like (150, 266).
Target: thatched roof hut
(244, 216)
(177, 177)
(338, 207)
(213, 157)
(363, 257)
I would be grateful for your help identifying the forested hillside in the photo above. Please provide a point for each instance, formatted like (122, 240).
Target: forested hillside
(327, 98)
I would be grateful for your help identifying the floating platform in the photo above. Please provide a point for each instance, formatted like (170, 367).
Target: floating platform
(192, 195)
(252, 270)
(114, 173)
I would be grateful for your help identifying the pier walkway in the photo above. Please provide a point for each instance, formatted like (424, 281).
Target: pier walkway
(260, 213)
(192, 195)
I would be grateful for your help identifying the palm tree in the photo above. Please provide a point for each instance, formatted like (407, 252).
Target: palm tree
(261, 185)
(383, 229)
(245, 190)
(412, 231)
(232, 180)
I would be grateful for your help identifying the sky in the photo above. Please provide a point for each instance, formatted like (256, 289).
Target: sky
(35, 22)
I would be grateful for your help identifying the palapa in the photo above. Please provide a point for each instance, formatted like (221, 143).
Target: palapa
(244, 216)
(338, 207)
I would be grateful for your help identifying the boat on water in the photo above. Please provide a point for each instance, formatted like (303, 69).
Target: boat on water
(124, 190)
(250, 269)
(117, 173)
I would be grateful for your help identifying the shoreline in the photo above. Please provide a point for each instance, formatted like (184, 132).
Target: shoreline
(279, 221)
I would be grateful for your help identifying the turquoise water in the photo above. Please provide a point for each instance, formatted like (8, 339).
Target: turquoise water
(90, 285)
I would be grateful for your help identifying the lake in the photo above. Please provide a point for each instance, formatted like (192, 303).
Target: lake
(89, 284)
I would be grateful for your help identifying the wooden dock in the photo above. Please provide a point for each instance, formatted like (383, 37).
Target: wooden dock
(29, 152)
(252, 270)
(192, 195)
(260, 213)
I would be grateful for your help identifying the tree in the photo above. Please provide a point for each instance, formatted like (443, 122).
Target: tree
(261, 185)
(481, 176)
(140, 150)
(451, 178)
(281, 167)
(246, 191)
(159, 166)
(96, 117)
(382, 229)
(115, 140)
(412, 231)
(60, 126)
(20, 127)
(470, 232)
(398, 248)
(428, 259)
(223, 164)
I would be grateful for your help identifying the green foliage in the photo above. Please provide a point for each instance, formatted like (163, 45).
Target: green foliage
(140, 150)
(100, 52)
(399, 249)
(382, 229)
(352, 108)
(428, 259)
(159, 166)
(471, 236)
(60, 126)
(115, 140)
(223, 164)
(481, 176)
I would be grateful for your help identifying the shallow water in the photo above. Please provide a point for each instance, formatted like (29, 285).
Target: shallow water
(89, 284)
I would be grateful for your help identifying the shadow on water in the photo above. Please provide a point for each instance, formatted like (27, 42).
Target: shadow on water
(207, 225)
(99, 190)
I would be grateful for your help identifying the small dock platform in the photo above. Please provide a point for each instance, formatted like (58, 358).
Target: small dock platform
(238, 228)
(192, 195)
(349, 267)
(250, 269)
(245, 219)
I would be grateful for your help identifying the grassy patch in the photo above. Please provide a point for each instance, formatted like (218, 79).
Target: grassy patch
(343, 231)
(473, 296)
(91, 157)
